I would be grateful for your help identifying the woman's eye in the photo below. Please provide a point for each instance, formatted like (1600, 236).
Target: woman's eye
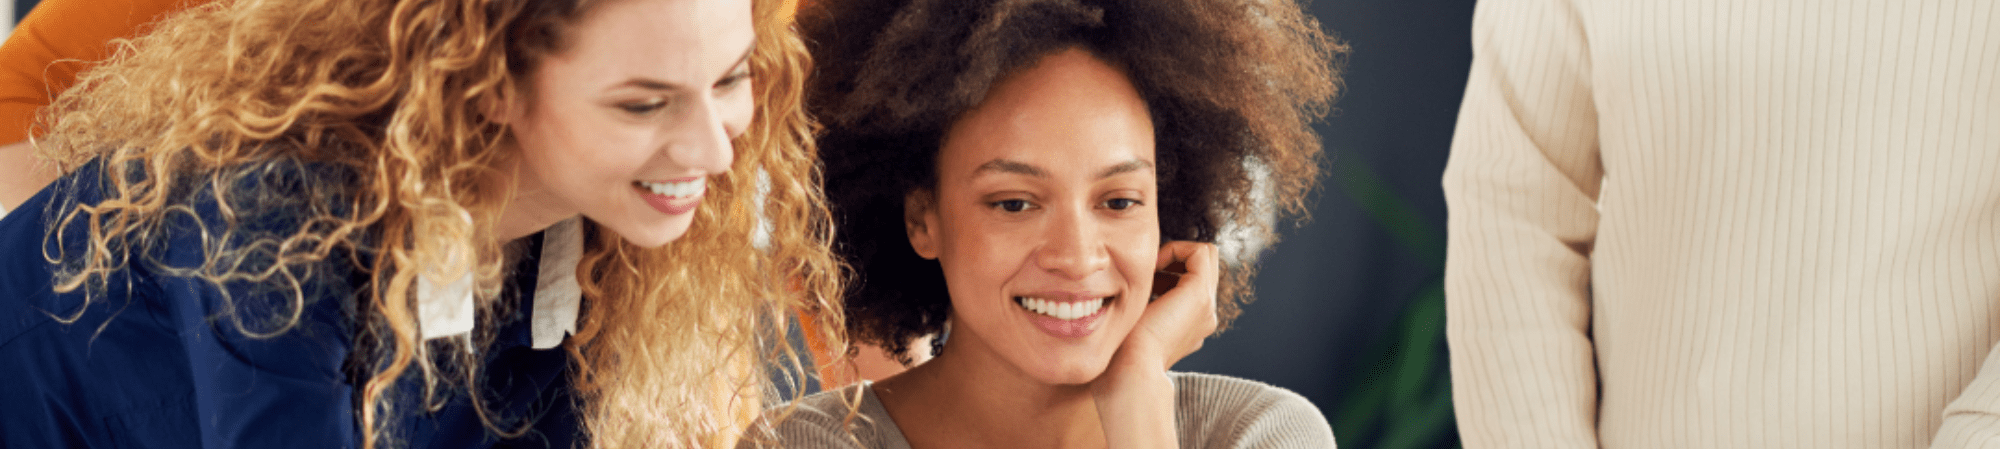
(1121, 203)
(1012, 205)
(733, 81)
(644, 107)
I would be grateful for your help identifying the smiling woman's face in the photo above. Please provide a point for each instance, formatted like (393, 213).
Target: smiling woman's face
(626, 122)
(1044, 219)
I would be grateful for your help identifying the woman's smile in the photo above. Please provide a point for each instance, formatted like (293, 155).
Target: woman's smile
(673, 197)
(1068, 316)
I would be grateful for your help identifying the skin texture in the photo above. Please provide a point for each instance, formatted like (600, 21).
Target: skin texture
(1046, 189)
(27, 174)
(647, 90)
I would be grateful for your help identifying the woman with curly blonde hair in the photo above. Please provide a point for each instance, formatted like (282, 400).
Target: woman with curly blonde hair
(404, 223)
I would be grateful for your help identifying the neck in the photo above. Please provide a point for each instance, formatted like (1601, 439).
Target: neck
(968, 397)
(529, 207)
(519, 219)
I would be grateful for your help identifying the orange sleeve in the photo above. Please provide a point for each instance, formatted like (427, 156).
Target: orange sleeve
(75, 32)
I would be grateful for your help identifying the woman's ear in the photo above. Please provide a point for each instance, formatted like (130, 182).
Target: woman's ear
(920, 218)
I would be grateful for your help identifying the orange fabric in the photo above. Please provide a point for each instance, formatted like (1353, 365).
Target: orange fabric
(56, 41)
(821, 351)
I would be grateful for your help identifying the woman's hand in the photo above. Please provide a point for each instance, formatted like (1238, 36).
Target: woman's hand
(1135, 399)
(1184, 315)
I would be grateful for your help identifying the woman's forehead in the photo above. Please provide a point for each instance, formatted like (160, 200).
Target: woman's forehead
(688, 43)
(1068, 111)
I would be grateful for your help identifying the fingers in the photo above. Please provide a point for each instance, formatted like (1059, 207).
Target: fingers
(1196, 256)
(1189, 262)
(1179, 251)
(1184, 315)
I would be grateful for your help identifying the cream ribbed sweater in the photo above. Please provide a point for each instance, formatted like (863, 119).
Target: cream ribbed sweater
(1728, 224)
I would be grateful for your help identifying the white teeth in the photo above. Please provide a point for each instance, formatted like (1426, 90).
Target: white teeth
(676, 189)
(1062, 310)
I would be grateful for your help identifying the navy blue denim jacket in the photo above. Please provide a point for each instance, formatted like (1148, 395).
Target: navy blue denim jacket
(163, 360)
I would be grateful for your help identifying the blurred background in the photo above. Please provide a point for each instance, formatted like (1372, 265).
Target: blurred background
(1350, 305)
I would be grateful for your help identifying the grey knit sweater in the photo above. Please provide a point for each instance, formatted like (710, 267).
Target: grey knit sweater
(1212, 412)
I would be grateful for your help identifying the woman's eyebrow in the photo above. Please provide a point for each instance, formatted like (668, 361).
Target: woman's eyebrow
(1126, 167)
(1007, 166)
(1022, 168)
(653, 84)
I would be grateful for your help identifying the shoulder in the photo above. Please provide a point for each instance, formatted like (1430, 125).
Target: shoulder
(162, 279)
(823, 420)
(267, 194)
(265, 338)
(154, 320)
(32, 234)
(1216, 411)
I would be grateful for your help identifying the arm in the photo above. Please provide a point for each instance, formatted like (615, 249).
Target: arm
(1973, 420)
(1134, 396)
(24, 175)
(1236, 413)
(1289, 422)
(820, 420)
(1522, 185)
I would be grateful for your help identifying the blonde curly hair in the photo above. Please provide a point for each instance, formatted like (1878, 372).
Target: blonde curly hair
(673, 344)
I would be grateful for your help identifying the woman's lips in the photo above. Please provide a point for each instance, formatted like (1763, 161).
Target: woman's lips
(673, 197)
(1068, 319)
(671, 205)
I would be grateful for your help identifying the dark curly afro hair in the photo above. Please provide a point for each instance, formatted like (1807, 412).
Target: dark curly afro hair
(1232, 86)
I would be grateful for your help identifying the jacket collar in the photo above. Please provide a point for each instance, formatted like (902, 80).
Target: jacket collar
(449, 310)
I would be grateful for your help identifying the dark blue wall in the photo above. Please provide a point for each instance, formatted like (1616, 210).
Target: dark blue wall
(1348, 312)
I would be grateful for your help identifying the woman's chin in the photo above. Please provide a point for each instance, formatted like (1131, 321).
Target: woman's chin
(1072, 373)
(653, 235)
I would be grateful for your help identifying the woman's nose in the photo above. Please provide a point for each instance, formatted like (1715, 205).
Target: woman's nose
(702, 141)
(1073, 248)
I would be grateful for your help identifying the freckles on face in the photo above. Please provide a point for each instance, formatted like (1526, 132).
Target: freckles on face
(1044, 218)
(629, 121)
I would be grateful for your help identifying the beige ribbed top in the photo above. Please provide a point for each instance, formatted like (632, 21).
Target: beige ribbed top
(1210, 411)
(1728, 224)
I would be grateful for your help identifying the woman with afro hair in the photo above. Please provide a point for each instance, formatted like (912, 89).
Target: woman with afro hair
(1041, 183)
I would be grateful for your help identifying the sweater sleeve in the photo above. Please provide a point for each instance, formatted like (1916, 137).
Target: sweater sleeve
(821, 420)
(1522, 184)
(1973, 420)
(1281, 419)
(1221, 412)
